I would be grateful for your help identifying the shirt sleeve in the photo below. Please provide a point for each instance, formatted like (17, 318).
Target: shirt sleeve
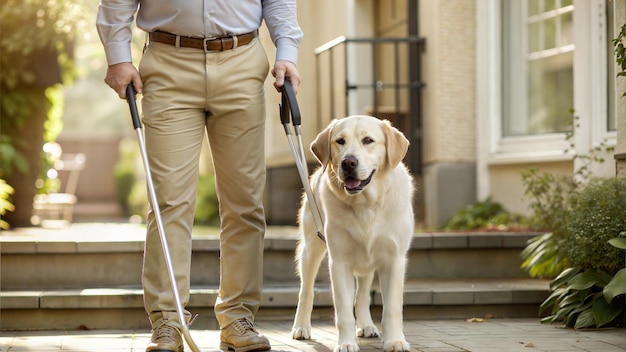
(114, 24)
(281, 19)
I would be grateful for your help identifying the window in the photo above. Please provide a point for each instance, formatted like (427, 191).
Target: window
(538, 61)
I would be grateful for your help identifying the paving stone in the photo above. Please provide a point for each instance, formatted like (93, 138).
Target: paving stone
(423, 335)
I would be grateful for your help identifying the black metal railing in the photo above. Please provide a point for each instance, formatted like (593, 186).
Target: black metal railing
(395, 91)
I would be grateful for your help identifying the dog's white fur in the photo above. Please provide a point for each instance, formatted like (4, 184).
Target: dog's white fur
(368, 229)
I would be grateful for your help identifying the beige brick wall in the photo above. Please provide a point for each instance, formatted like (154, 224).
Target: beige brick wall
(449, 72)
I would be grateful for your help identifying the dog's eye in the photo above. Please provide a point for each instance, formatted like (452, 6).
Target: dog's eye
(340, 141)
(368, 140)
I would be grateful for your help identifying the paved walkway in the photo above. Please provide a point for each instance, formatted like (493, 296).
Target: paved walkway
(489, 335)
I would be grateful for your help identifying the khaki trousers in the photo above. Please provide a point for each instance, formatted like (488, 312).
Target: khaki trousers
(187, 92)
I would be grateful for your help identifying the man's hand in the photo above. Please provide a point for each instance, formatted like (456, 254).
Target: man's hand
(286, 70)
(120, 75)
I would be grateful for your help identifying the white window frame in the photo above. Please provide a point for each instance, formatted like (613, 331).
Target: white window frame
(590, 95)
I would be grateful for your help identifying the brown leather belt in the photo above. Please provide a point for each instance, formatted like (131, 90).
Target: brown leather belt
(206, 44)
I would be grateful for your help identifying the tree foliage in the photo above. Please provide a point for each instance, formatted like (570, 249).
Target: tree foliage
(34, 32)
(36, 49)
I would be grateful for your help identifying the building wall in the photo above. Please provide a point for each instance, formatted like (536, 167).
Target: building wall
(321, 21)
(499, 166)
(460, 165)
(508, 188)
(448, 180)
(448, 107)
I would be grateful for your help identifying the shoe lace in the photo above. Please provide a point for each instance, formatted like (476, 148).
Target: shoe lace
(167, 333)
(243, 325)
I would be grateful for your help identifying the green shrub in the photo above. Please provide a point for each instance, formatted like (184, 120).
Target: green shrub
(592, 298)
(125, 175)
(548, 199)
(597, 214)
(207, 210)
(138, 199)
(590, 293)
(5, 202)
(544, 256)
(586, 299)
(484, 214)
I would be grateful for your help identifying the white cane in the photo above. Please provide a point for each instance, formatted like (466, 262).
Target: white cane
(289, 106)
(130, 97)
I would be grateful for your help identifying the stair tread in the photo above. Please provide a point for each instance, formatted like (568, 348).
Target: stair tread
(420, 292)
(410, 285)
(91, 237)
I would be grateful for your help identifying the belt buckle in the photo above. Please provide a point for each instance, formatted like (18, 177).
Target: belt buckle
(205, 42)
(222, 40)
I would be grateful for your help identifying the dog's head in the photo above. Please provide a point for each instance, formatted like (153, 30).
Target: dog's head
(356, 148)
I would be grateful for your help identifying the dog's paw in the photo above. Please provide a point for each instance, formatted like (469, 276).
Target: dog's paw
(347, 347)
(301, 333)
(396, 346)
(368, 331)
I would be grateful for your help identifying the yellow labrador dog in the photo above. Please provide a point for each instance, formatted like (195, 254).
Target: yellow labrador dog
(364, 193)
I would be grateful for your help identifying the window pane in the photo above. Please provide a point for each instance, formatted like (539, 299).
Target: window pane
(549, 5)
(551, 26)
(537, 75)
(535, 39)
(550, 94)
(566, 35)
(533, 7)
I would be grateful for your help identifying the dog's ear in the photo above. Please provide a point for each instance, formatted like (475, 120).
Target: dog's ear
(397, 144)
(321, 145)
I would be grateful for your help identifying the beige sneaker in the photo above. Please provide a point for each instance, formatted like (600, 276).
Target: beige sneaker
(165, 338)
(240, 336)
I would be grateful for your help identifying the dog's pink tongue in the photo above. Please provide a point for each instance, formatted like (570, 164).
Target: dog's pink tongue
(352, 183)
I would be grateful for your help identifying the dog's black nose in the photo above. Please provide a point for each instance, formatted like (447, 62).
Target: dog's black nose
(349, 163)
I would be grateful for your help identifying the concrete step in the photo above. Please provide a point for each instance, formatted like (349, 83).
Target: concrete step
(110, 255)
(88, 276)
(122, 307)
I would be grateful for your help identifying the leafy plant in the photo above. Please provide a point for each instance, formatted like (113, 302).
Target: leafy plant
(5, 203)
(124, 173)
(595, 154)
(484, 214)
(205, 213)
(620, 52)
(590, 298)
(591, 293)
(543, 256)
(548, 198)
(55, 24)
(579, 299)
(587, 294)
(207, 209)
(35, 55)
(596, 216)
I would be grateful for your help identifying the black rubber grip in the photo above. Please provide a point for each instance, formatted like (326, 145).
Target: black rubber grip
(289, 105)
(132, 103)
